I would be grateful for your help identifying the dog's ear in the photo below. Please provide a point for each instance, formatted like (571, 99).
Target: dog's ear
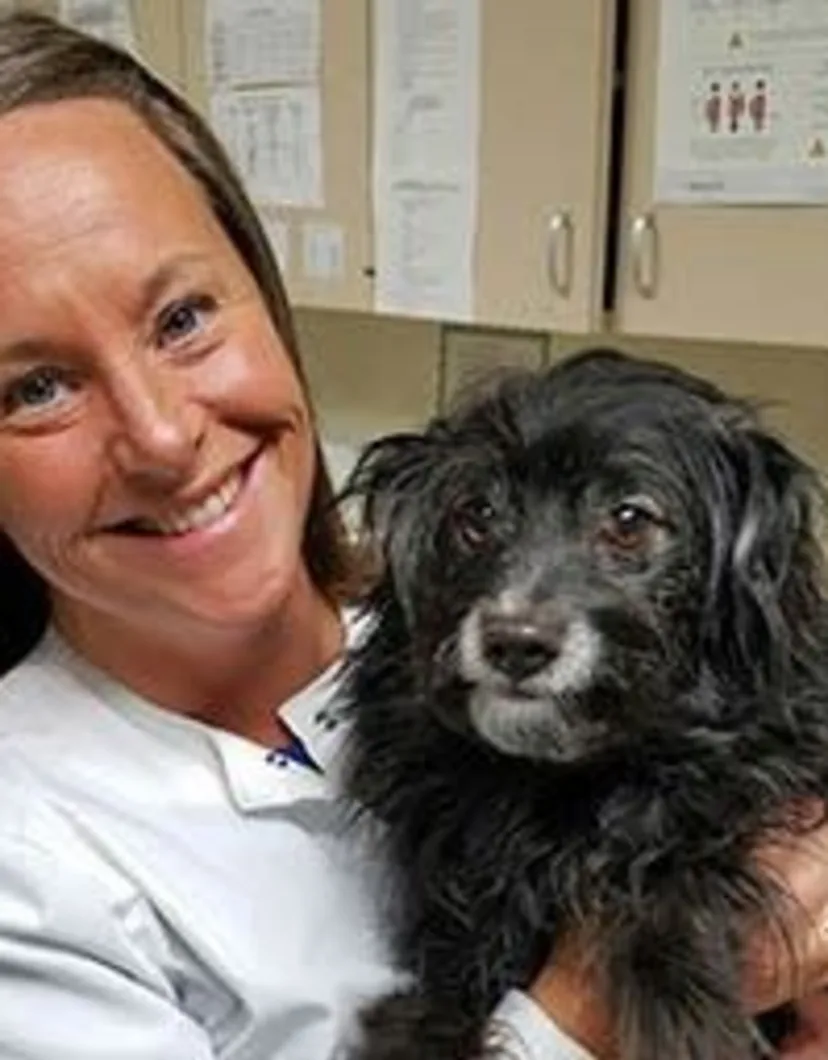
(388, 472)
(395, 484)
(772, 606)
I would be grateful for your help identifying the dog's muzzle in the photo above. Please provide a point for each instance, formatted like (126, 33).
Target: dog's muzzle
(525, 665)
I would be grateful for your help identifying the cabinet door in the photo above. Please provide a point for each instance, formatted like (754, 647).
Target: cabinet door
(324, 251)
(157, 25)
(546, 70)
(738, 273)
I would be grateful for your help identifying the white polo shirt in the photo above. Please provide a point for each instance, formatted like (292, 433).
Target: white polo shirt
(170, 891)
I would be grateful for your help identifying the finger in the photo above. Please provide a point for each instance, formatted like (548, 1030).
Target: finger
(789, 957)
(810, 1041)
(805, 1050)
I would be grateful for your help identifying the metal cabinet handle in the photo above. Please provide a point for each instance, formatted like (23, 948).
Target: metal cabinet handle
(560, 252)
(645, 260)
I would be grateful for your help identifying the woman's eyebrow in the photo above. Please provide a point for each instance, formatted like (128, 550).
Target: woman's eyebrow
(22, 351)
(166, 274)
(182, 265)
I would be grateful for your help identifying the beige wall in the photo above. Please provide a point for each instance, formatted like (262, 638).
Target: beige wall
(373, 374)
(368, 375)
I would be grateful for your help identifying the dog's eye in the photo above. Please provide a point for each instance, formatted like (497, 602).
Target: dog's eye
(630, 524)
(472, 522)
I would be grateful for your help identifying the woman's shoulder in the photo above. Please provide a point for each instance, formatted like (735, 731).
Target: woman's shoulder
(42, 852)
(30, 698)
(66, 717)
(75, 746)
(48, 861)
(35, 688)
(46, 713)
(26, 818)
(61, 899)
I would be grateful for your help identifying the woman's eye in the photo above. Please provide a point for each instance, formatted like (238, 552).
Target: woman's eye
(184, 318)
(38, 389)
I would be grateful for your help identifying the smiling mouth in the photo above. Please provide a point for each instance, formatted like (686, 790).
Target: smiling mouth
(199, 516)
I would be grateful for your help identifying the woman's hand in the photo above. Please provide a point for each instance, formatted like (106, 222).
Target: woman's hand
(567, 992)
(778, 971)
(810, 1040)
(779, 967)
(794, 964)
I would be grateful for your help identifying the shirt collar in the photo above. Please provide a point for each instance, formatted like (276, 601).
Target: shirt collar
(260, 778)
(255, 778)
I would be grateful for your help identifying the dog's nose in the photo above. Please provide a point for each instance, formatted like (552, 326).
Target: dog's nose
(517, 646)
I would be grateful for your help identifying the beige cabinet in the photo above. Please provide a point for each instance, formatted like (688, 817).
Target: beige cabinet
(344, 283)
(752, 274)
(545, 93)
(746, 274)
(545, 100)
(545, 90)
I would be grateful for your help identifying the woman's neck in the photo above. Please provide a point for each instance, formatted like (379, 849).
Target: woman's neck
(232, 679)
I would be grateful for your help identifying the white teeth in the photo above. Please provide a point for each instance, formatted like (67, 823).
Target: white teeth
(201, 515)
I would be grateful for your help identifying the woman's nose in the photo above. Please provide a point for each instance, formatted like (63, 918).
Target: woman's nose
(158, 432)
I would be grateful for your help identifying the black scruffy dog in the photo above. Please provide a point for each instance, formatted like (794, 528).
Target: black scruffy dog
(597, 675)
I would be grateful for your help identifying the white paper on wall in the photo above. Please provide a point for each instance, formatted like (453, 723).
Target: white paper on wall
(274, 137)
(263, 41)
(424, 251)
(109, 20)
(425, 181)
(742, 101)
(323, 250)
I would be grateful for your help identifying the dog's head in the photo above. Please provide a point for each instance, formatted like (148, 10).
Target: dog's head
(585, 558)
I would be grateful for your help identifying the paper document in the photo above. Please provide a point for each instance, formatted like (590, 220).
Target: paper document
(425, 184)
(109, 20)
(742, 101)
(424, 250)
(274, 138)
(254, 42)
(263, 58)
(323, 250)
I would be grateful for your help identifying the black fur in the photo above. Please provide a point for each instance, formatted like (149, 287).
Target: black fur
(597, 676)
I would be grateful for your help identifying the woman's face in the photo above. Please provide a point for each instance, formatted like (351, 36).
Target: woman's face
(156, 450)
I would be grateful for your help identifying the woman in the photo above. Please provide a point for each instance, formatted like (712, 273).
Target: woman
(173, 879)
